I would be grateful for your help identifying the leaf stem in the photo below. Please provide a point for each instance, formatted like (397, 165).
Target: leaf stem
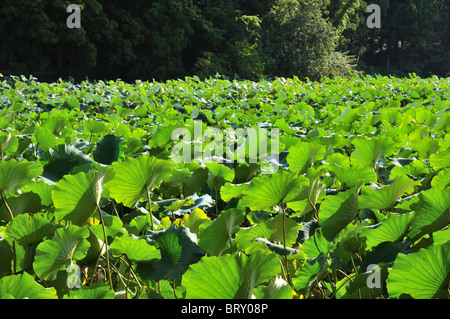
(174, 290)
(106, 245)
(92, 145)
(96, 266)
(356, 272)
(150, 209)
(13, 243)
(7, 206)
(311, 203)
(128, 279)
(316, 213)
(284, 245)
(132, 272)
(347, 278)
(14, 257)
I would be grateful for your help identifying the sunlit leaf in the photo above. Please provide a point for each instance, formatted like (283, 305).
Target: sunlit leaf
(76, 197)
(369, 151)
(238, 277)
(136, 249)
(303, 155)
(387, 196)
(134, 177)
(24, 286)
(179, 249)
(57, 253)
(15, 174)
(271, 190)
(422, 275)
(216, 235)
(393, 228)
(432, 212)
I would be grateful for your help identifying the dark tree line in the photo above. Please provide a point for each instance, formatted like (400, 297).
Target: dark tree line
(165, 39)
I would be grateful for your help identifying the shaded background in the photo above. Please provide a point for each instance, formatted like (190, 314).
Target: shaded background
(166, 39)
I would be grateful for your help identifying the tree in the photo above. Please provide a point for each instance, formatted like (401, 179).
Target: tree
(438, 59)
(146, 39)
(227, 38)
(36, 39)
(402, 45)
(299, 40)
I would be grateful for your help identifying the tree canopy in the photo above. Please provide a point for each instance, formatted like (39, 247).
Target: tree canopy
(163, 39)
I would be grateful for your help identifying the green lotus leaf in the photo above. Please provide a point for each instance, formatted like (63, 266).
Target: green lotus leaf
(218, 175)
(6, 258)
(245, 172)
(110, 149)
(96, 245)
(271, 230)
(29, 229)
(136, 249)
(29, 203)
(237, 278)
(393, 228)
(422, 275)
(385, 253)
(8, 144)
(424, 146)
(193, 202)
(337, 211)
(67, 245)
(337, 160)
(178, 248)
(277, 288)
(136, 226)
(270, 190)
(350, 176)
(98, 290)
(317, 245)
(440, 160)
(76, 197)
(309, 274)
(94, 127)
(42, 189)
(357, 287)
(24, 286)
(195, 219)
(311, 195)
(281, 124)
(348, 116)
(441, 180)
(269, 246)
(441, 236)
(177, 178)
(58, 122)
(369, 151)
(113, 226)
(415, 168)
(15, 174)
(196, 182)
(64, 159)
(432, 212)
(303, 155)
(45, 138)
(215, 236)
(135, 177)
(386, 197)
(349, 242)
(162, 136)
(230, 191)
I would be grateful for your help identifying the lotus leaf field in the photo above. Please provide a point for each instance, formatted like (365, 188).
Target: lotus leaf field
(353, 202)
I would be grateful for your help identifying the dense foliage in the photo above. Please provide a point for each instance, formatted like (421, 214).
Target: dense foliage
(358, 207)
(166, 39)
